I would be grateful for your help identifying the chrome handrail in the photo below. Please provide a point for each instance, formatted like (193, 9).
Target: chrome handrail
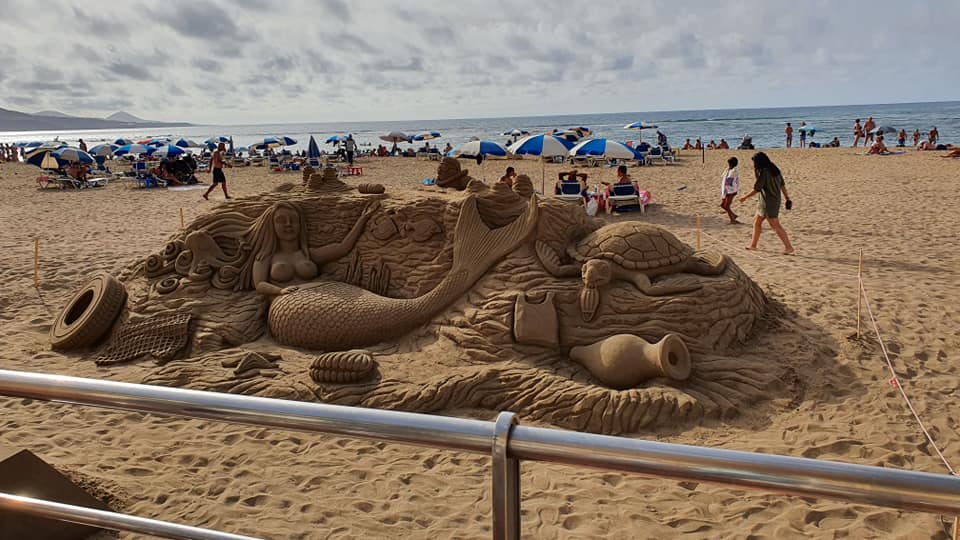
(113, 521)
(905, 490)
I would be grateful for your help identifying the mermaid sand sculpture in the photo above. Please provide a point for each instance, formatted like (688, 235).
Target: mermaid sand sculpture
(334, 316)
(630, 251)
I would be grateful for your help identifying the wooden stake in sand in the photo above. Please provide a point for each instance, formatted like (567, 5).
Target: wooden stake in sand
(698, 232)
(956, 528)
(859, 291)
(36, 263)
(181, 217)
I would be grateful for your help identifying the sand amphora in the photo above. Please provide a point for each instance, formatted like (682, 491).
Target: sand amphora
(624, 361)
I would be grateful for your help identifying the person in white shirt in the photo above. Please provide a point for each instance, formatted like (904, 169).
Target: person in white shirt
(729, 187)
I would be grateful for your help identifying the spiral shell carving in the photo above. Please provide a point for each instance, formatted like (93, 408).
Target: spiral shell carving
(342, 367)
(167, 285)
(156, 266)
(374, 189)
(226, 277)
(184, 262)
(172, 249)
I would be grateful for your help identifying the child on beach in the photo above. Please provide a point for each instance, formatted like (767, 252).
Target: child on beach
(729, 187)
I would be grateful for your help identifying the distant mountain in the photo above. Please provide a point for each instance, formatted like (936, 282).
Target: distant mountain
(56, 114)
(53, 120)
(121, 116)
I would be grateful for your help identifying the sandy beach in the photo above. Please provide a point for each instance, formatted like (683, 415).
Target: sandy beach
(837, 403)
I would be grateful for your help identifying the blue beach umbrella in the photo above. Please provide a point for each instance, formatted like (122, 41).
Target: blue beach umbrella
(187, 143)
(395, 137)
(604, 148)
(426, 136)
(217, 139)
(313, 150)
(43, 159)
(479, 149)
(33, 144)
(335, 139)
(132, 149)
(640, 126)
(287, 141)
(544, 146)
(122, 141)
(166, 150)
(105, 149)
(72, 155)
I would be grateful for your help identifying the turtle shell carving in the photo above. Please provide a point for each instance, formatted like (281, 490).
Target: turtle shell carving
(633, 245)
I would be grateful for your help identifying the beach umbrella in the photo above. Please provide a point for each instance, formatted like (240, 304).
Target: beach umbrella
(166, 150)
(187, 143)
(395, 137)
(313, 150)
(131, 149)
(122, 142)
(33, 144)
(105, 149)
(604, 148)
(286, 141)
(275, 142)
(883, 129)
(426, 136)
(217, 139)
(640, 126)
(515, 132)
(43, 159)
(479, 149)
(72, 155)
(543, 146)
(335, 139)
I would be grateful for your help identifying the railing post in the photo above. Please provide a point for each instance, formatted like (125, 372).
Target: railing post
(506, 481)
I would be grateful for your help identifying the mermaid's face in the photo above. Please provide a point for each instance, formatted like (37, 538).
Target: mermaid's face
(286, 224)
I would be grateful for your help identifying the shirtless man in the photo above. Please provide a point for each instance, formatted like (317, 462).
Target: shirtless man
(868, 127)
(934, 136)
(216, 165)
(916, 136)
(789, 133)
(857, 133)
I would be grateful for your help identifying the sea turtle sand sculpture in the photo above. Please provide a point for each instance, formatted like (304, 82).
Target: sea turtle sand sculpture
(630, 251)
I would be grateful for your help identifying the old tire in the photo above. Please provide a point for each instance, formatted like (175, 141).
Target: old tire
(89, 314)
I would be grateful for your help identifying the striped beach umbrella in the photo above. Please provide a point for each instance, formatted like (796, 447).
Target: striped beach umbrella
(335, 139)
(426, 136)
(217, 139)
(105, 149)
(187, 143)
(541, 145)
(478, 148)
(122, 141)
(73, 155)
(166, 150)
(604, 148)
(132, 149)
(395, 137)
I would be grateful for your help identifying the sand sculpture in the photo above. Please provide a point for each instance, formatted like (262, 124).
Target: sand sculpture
(629, 251)
(371, 189)
(459, 301)
(625, 360)
(450, 174)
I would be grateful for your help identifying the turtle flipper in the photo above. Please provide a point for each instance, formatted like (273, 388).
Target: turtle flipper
(707, 263)
(551, 261)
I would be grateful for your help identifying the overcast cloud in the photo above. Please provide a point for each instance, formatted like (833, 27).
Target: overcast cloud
(259, 61)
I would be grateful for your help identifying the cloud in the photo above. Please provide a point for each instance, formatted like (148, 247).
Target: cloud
(129, 70)
(207, 64)
(337, 8)
(101, 26)
(343, 41)
(414, 64)
(201, 20)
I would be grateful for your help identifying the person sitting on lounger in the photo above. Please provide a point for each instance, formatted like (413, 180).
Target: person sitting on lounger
(712, 145)
(699, 145)
(687, 145)
(571, 176)
(835, 143)
(723, 145)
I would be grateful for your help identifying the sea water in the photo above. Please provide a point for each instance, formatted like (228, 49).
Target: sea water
(765, 126)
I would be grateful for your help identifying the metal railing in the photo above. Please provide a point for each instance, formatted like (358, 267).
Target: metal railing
(509, 443)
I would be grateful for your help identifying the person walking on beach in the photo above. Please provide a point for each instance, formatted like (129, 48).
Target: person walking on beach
(216, 165)
(82, 145)
(803, 134)
(902, 138)
(789, 133)
(868, 128)
(916, 137)
(729, 187)
(933, 136)
(769, 185)
(351, 147)
(857, 132)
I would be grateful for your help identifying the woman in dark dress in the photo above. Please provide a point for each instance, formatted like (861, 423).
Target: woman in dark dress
(769, 185)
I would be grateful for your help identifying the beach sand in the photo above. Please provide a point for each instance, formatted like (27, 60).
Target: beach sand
(838, 404)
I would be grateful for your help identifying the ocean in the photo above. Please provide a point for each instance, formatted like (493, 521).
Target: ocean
(764, 125)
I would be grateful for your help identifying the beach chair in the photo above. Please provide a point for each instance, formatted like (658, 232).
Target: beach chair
(667, 155)
(626, 195)
(655, 154)
(570, 191)
(274, 165)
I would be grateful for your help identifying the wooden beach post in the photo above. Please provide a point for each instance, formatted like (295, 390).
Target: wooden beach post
(859, 290)
(36, 263)
(181, 217)
(698, 232)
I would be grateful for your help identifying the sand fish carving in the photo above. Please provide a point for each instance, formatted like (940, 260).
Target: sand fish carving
(334, 316)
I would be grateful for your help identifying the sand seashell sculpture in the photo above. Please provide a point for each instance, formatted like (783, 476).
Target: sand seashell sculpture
(449, 174)
(624, 361)
(342, 367)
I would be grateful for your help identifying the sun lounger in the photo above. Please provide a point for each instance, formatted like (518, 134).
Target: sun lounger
(626, 195)
(570, 191)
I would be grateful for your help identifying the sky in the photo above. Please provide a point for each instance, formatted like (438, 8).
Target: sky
(271, 61)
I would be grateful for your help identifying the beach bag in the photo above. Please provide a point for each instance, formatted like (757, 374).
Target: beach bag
(592, 206)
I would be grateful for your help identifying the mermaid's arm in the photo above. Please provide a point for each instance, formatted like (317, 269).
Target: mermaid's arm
(261, 276)
(331, 252)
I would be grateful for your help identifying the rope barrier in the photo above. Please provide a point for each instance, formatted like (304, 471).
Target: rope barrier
(895, 381)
